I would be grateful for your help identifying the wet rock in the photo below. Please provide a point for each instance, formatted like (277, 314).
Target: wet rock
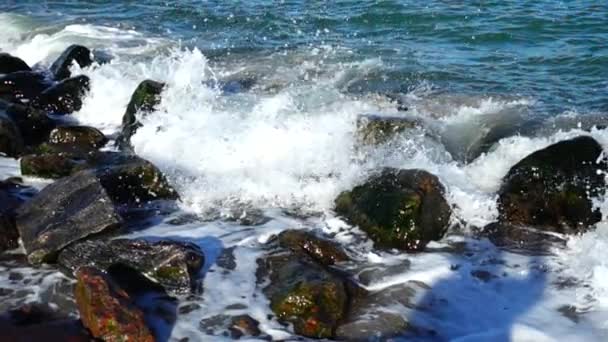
(10, 64)
(521, 239)
(188, 308)
(402, 209)
(64, 97)
(83, 137)
(379, 315)
(325, 252)
(11, 141)
(244, 325)
(107, 310)
(143, 100)
(52, 165)
(73, 54)
(66, 211)
(376, 274)
(9, 236)
(305, 295)
(11, 197)
(375, 129)
(483, 275)
(22, 86)
(174, 265)
(551, 189)
(33, 124)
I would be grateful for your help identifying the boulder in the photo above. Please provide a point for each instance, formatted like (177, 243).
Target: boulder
(107, 310)
(9, 236)
(11, 197)
(22, 86)
(143, 100)
(403, 209)
(73, 54)
(33, 124)
(11, 141)
(324, 252)
(376, 129)
(64, 97)
(305, 295)
(10, 64)
(64, 212)
(174, 265)
(52, 165)
(551, 189)
(82, 137)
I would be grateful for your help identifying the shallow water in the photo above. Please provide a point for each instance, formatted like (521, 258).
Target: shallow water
(521, 76)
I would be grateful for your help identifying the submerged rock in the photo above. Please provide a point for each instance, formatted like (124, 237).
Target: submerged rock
(325, 252)
(64, 97)
(521, 239)
(375, 129)
(551, 189)
(73, 54)
(236, 326)
(66, 211)
(22, 86)
(143, 100)
(402, 209)
(174, 265)
(82, 137)
(10, 64)
(107, 310)
(11, 141)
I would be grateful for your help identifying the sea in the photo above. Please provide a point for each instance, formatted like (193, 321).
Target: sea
(257, 131)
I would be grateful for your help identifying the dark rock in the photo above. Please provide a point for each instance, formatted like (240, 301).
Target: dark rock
(33, 124)
(9, 236)
(374, 274)
(11, 141)
(143, 100)
(22, 86)
(305, 295)
(303, 243)
(84, 137)
(10, 64)
(520, 239)
(107, 310)
(66, 211)
(244, 325)
(375, 129)
(174, 265)
(552, 188)
(11, 197)
(64, 97)
(188, 308)
(483, 275)
(52, 165)
(75, 53)
(402, 209)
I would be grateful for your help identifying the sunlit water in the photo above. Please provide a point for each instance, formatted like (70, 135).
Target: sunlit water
(288, 144)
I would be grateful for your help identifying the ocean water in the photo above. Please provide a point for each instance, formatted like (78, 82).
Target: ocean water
(259, 118)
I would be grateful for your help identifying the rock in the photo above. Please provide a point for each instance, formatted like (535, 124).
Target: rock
(64, 212)
(10, 64)
(303, 243)
(520, 239)
(11, 197)
(305, 295)
(244, 325)
(33, 124)
(52, 165)
(11, 141)
(107, 310)
(551, 189)
(64, 97)
(9, 237)
(144, 99)
(84, 137)
(75, 53)
(402, 209)
(22, 86)
(375, 129)
(174, 265)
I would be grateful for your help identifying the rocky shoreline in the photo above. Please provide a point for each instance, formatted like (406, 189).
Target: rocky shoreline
(100, 191)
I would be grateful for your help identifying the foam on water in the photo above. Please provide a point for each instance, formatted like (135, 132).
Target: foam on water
(295, 148)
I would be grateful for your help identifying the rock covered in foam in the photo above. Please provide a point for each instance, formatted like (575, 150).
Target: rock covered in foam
(172, 264)
(403, 209)
(552, 188)
(145, 97)
(73, 54)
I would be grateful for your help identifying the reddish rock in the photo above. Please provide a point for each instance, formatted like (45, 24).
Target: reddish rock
(107, 310)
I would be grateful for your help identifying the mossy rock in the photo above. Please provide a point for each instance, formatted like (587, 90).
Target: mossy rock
(376, 129)
(52, 165)
(303, 243)
(82, 137)
(144, 99)
(403, 209)
(551, 189)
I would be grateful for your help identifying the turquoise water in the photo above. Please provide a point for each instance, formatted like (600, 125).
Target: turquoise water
(553, 51)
